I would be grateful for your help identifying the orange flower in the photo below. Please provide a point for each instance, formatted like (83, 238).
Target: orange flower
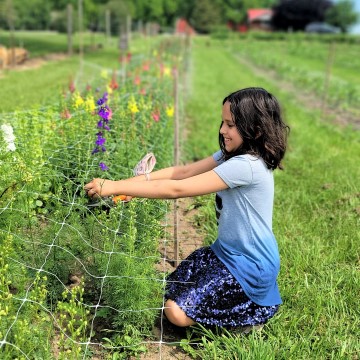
(118, 198)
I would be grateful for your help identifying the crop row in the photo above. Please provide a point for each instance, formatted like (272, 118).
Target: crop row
(328, 70)
(72, 271)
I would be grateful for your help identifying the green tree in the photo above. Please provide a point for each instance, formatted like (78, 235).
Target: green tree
(342, 15)
(170, 12)
(206, 15)
(34, 15)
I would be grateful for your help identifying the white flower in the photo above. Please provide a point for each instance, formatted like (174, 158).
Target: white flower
(9, 137)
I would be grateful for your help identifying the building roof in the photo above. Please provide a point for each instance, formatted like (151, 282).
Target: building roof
(259, 14)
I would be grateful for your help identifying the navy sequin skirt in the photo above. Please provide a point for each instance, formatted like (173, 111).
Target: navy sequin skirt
(210, 295)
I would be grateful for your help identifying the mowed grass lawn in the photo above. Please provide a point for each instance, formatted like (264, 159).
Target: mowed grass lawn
(316, 216)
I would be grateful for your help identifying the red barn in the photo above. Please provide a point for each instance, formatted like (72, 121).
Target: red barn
(259, 19)
(183, 27)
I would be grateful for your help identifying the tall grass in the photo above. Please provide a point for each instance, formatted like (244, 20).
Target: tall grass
(316, 220)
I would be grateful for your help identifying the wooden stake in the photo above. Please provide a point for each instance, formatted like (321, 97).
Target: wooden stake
(176, 162)
(69, 11)
(329, 63)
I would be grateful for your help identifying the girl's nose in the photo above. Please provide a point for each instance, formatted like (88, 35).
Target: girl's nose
(222, 130)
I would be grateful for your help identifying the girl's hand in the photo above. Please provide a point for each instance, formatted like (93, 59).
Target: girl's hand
(99, 188)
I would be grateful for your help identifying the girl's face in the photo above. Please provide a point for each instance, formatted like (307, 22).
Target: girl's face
(228, 130)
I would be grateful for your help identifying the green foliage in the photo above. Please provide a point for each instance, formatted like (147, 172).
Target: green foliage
(225, 344)
(112, 247)
(72, 323)
(342, 15)
(129, 340)
(24, 319)
(206, 15)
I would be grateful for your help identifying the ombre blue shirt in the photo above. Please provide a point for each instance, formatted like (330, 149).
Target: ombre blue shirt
(246, 243)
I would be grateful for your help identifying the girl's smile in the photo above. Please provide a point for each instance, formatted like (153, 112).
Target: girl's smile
(229, 131)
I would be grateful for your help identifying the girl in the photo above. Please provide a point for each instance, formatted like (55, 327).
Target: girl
(234, 281)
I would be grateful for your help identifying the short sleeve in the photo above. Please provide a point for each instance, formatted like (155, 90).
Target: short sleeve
(218, 157)
(236, 171)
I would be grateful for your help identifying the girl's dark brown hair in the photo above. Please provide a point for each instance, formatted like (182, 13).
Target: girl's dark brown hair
(257, 117)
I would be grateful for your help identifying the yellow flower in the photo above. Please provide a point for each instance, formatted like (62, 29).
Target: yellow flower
(132, 106)
(109, 90)
(167, 71)
(104, 74)
(170, 111)
(90, 104)
(78, 100)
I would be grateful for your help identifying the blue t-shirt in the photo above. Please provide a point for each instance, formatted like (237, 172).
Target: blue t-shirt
(246, 243)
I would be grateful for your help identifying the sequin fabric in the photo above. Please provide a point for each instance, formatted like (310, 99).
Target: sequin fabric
(209, 294)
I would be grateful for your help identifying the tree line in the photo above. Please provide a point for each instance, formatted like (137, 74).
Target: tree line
(203, 15)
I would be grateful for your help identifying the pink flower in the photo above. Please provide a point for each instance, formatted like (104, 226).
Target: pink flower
(65, 114)
(156, 116)
(137, 80)
(71, 86)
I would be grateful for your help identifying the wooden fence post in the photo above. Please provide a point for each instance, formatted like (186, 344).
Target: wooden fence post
(81, 44)
(107, 26)
(176, 162)
(69, 12)
(329, 63)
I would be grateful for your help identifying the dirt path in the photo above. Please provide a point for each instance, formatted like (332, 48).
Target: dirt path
(163, 345)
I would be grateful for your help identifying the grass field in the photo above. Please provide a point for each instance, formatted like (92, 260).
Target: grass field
(22, 89)
(317, 199)
(316, 217)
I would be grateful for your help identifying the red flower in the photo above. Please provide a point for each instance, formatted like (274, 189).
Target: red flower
(113, 84)
(156, 116)
(137, 80)
(71, 86)
(65, 114)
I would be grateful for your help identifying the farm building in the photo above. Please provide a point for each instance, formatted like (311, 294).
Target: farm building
(256, 19)
(259, 19)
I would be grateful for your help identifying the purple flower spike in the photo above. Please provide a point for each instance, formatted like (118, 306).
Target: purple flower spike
(101, 101)
(95, 151)
(103, 167)
(100, 140)
(104, 112)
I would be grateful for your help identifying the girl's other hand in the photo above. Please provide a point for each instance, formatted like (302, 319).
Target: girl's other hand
(99, 188)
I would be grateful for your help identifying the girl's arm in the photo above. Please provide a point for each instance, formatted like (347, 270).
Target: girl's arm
(170, 183)
(179, 172)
